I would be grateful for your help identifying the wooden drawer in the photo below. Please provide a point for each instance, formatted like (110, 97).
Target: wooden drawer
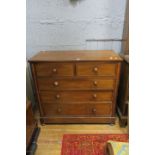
(101, 109)
(76, 96)
(78, 109)
(75, 84)
(54, 69)
(96, 69)
(67, 109)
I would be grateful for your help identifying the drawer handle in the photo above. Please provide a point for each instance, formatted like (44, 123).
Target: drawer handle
(94, 110)
(95, 69)
(94, 96)
(95, 83)
(56, 83)
(59, 110)
(54, 70)
(57, 96)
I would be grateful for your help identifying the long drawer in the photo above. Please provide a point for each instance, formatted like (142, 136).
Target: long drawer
(75, 84)
(78, 109)
(75, 96)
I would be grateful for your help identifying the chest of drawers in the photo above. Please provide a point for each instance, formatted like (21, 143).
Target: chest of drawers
(76, 86)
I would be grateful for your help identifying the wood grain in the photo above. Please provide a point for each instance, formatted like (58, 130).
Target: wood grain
(96, 69)
(72, 56)
(54, 69)
(75, 96)
(50, 138)
(76, 86)
(103, 109)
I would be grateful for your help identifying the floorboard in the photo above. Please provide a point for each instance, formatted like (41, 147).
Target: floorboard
(50, 138)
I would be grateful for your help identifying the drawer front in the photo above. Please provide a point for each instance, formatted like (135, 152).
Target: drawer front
(96, 69)
(59, 109)
(75, 84)
(54, 69)
(76, 96)
(101, 109)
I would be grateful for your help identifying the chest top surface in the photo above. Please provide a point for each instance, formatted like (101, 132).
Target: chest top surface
(85, 55)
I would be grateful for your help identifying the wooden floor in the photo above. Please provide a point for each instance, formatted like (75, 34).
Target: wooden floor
(50, 138)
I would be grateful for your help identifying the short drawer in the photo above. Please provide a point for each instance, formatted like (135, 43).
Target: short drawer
(75, 84)
(54, 69)
(59, 109)
(76, 96)
(96, 69)
(101, 109)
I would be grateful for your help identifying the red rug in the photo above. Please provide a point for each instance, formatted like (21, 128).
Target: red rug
(88, 144)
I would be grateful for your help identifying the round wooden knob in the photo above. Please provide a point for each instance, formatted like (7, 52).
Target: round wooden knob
(59, 110)
(94, 96)
(56, 83)
(94, 110)
(95, 83)
(54, 70)
(95, 69)
(57, 96)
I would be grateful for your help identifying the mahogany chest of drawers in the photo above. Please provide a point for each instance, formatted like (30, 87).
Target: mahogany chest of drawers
(76, 86)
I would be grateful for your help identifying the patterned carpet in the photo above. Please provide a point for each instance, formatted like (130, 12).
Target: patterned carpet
(88, 144)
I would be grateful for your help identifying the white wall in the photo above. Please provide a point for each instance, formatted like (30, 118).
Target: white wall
(69, 24)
